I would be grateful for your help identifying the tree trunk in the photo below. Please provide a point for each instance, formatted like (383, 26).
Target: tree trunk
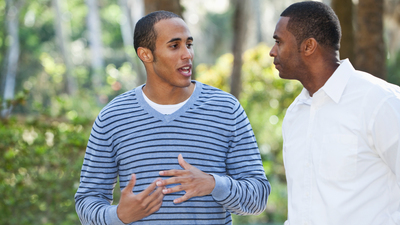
(258, 19)
(95, 43)
(11, 60)
(167, 5)
(239, 37)
(370, 47)
(132, 11)
(62, 35)
(344, 11)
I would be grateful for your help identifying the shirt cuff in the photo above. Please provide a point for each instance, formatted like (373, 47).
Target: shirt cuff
(222, 187)
(113, 216)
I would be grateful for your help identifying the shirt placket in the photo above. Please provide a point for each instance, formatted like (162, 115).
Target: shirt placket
(307, 164)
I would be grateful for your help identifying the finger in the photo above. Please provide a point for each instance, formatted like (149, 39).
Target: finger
(150, 188)
(182, 199)
(173, 189)
(131, 184)
(172, 180)
(183, 163)
(172, 173)
(155, 198)
(155, 208)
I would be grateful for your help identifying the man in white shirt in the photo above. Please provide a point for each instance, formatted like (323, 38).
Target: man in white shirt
(341, 134)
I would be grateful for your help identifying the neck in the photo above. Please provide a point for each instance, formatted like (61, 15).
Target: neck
(319, 71)
(167, 95)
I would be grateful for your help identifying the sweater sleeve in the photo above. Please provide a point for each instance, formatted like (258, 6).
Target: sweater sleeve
(98, 177)
(245, 188)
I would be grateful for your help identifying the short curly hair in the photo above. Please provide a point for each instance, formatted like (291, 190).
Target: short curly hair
(145, 34)
(316, 20)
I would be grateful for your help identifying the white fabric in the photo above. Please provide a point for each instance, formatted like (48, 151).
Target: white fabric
(165, 109)
(342, 153)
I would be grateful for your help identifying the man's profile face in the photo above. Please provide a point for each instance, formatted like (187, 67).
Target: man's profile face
(287, 58)
(173, 53)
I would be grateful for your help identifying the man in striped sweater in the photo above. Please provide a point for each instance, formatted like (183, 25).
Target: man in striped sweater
(184, 152)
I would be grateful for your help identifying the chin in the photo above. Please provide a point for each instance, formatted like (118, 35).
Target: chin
(282, 76)
(185, 83)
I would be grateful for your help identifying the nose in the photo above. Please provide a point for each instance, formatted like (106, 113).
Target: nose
(187, 53)
(272, 53)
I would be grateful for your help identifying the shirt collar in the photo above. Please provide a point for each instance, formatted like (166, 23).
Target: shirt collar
(335, 85)
(304, 97)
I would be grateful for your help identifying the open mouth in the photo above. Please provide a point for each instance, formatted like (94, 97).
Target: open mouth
(186, 70)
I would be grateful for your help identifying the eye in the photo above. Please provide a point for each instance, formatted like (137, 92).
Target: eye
(174, 46)
(190, 45)
(277, 42)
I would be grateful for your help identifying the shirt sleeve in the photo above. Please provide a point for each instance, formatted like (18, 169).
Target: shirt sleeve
(245, 188)
(98, 177)
(385, 133)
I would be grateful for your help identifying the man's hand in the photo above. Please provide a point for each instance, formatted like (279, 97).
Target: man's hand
(133, 207)
(192, 180)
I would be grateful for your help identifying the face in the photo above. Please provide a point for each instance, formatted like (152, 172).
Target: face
(173, 54)
(287, 58)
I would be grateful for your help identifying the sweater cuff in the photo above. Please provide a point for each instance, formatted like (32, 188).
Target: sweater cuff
(222, 187)
(112, 216)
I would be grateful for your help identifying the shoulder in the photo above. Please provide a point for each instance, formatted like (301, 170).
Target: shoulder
(120, 105)
(375, 95)
(373, 89)
(210, 95)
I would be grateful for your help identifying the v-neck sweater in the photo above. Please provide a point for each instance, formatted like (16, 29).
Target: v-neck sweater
(211, 131)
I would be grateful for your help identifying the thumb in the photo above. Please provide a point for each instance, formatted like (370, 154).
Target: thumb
(183, 163)
(131, 184)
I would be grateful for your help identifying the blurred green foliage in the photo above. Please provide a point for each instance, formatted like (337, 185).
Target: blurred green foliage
(40, 168)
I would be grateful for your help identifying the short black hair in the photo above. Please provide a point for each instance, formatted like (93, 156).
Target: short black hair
(316, 20)
(145, 34)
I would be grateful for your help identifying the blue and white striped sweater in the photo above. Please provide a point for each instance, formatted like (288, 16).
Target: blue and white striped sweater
(212, 133)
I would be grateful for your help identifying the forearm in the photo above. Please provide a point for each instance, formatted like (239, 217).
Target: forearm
(247, 196)
(93, 210)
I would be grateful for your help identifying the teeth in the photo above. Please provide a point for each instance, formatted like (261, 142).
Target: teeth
(185, 68)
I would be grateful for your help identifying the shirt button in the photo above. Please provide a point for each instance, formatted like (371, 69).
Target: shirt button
(308, 164)
(305, 223)
(307, 194)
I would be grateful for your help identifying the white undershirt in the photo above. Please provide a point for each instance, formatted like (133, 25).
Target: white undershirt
(166, 109)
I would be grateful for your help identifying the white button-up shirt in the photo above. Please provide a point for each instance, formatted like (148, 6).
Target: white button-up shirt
(342, 152)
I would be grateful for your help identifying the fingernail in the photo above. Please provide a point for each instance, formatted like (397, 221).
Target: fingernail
(161, 172)
(175, 201)
(164, 191)
(158, 183)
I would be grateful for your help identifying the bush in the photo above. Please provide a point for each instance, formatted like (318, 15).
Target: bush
(41, 162)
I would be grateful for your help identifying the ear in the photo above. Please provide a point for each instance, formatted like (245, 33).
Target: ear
(309, 46)
(145, 54)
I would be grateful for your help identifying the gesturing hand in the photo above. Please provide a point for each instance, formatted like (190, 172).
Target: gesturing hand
(133, 207)
(192, 180)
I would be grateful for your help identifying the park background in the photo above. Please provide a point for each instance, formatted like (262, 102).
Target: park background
(62, 61)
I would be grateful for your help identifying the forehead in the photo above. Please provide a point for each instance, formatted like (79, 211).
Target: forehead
(171, 28)
(280, 29)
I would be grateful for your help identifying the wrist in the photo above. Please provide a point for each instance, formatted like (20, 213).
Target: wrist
(112, 216)
(212, 182)
(121, 216)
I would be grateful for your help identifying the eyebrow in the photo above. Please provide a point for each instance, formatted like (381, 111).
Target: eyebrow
(275, 36)
(179, 39)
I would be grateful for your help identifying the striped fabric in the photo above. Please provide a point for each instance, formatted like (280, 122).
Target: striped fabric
(212, 133)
